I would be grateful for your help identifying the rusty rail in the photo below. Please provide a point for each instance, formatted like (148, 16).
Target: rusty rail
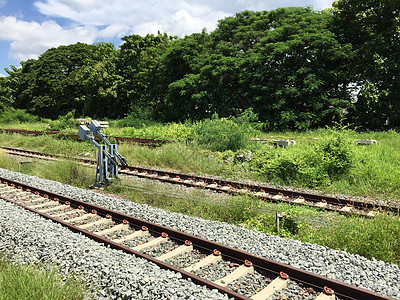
(318, 282)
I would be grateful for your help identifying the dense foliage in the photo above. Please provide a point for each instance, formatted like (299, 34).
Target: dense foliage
(296, 68)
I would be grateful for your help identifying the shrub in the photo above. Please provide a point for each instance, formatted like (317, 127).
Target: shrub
(224, 134)
(64, 122)
(308, 165)
(12, 115)
(137, 119)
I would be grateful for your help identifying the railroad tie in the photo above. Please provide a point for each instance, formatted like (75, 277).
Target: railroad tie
(44, 204)
(299, 200)
(235, 275)
(154, 242)
(346, 208)
(323, 296)
(276, 285)
(46, 210)
(133, 236)
(64, 214)
(112, 229)
(83, 217)
(277, 197)
(321, 204)
(372, 213)
(7, 189)
(180, 250)
(209, 260)
(98, 222)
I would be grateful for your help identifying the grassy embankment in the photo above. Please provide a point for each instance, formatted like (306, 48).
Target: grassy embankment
(333, 165)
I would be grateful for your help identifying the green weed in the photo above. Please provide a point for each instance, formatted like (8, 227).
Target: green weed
(11, 115)
(67, 172)
(32, 282)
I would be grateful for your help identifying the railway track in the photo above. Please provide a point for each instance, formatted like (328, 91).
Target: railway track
(75, 136)
(341, 205)
(233, 272)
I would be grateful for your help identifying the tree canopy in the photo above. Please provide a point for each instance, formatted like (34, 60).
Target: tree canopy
(295, 67)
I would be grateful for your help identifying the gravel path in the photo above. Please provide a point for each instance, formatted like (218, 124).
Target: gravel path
(49, 243)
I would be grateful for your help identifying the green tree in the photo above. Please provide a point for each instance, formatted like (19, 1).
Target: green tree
(139, 64)
(296, 73)
(7, 87)
(373, 27)
(49, 86)
(101, 84)
(181, 67)
(286, 64)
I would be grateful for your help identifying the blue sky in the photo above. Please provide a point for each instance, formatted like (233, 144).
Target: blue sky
(30, 27)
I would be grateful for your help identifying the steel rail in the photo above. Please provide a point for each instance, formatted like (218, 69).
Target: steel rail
(235, 187)
(342, 290)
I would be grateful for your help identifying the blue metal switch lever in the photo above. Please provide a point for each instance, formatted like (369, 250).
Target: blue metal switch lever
(107, 154)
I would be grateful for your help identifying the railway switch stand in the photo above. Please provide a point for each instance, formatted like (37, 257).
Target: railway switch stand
(107, 154)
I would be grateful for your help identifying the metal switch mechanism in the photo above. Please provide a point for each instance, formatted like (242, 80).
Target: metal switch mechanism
(107, 154)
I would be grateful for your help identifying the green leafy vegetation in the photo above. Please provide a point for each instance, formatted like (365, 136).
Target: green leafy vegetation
(296, 68)
(19, 281)
(11, 115)
(223, 134)
(64, 122)
(309, 165)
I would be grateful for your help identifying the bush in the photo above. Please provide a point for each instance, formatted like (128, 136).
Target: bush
(12, 115)
(136, 119)
(64, 122)
(308, 165)
(223, 134)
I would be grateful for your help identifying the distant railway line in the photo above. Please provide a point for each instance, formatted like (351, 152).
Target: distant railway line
(75, 136)
(367, 208)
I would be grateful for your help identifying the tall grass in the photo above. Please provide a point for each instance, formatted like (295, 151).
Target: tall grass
(377, 237)
(179, 156)
(46, 143)
(67, 172)
(19, 282)
(6, 162)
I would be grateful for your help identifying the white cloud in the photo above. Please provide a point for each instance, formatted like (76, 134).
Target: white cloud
(107, 19)
(175, 17)
(29, 39)
(181, 23)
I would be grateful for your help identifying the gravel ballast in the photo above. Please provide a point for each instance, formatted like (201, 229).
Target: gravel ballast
(118, 275)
